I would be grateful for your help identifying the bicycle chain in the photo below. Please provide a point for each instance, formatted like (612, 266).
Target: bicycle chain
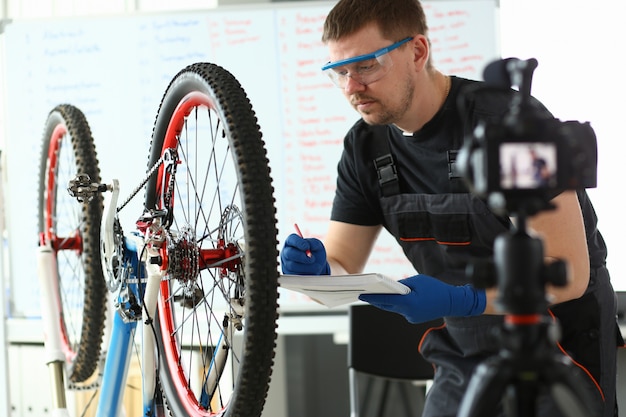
(149, 174)
(169, 157)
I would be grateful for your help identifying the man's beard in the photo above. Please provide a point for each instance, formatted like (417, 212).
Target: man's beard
(388, 115)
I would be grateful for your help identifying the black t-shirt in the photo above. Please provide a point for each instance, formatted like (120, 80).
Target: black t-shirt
(422, 160)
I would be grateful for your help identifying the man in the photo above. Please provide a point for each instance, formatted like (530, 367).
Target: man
(380, 58)
(541, 172)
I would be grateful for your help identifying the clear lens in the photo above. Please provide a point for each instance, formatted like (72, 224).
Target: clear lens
(364, 69)
(364, 72)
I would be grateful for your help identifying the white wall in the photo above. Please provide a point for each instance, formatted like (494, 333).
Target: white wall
(579, 46)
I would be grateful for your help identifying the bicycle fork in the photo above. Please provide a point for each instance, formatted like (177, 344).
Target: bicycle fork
(51, 317)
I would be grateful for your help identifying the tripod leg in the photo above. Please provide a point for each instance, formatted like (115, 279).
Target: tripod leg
(520, 399)
(569, 404)
(383, 398)
(567, 389)
(485, 389)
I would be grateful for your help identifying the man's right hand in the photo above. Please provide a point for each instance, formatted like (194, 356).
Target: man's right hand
(295, 260)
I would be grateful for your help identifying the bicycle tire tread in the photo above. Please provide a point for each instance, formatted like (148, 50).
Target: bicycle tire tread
(260, 217)
(85, 362)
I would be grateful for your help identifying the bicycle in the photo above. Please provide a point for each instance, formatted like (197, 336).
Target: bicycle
(197, 276)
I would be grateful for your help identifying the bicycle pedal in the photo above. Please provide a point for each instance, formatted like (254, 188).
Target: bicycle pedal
(83, 189)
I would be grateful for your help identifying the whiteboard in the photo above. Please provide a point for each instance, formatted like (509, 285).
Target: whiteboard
(116, 69)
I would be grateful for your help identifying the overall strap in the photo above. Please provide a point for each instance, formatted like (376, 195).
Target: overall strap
(457, 184)
(388, 180)
(385, 165)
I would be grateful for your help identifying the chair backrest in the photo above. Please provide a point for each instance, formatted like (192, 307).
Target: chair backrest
(621, 306)
(385, 344)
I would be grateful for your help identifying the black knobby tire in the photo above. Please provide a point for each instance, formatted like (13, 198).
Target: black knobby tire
(219, 200)
(74, 231)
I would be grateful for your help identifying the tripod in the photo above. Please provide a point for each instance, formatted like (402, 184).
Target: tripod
(527, 363)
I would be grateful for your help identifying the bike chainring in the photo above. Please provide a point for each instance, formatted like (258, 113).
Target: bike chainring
(119, 272)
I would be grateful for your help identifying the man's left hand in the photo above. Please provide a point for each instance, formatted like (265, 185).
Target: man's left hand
(430, 299)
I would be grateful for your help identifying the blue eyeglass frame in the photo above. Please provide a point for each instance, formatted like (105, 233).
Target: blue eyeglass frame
(373, 55)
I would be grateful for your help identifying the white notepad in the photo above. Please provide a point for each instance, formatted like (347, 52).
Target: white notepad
(335, 290)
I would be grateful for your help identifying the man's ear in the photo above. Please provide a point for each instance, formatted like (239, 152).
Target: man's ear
(421, 51)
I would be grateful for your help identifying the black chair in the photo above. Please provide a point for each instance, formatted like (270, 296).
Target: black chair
(387, 373)
(621, 307)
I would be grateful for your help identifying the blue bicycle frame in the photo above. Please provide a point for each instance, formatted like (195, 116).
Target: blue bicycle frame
(135, 300)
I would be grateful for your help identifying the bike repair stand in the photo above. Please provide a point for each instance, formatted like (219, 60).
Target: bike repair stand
(528, 363)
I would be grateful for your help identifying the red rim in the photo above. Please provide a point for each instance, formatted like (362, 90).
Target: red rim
(58, 243)
(168, 332)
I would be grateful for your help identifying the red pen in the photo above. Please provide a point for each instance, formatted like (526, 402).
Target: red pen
(308, 252)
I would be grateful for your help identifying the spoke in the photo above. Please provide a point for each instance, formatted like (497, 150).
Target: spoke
(204, 296)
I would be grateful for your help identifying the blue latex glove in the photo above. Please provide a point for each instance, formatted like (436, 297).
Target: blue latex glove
(295, 261)
(430, 299)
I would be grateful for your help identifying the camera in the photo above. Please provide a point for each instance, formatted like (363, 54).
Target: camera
(527, 155)
(518, 162)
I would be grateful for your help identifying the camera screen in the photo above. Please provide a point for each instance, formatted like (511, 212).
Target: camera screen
(527, 165)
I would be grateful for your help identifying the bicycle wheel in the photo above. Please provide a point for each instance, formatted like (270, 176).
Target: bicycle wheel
(73, 230)
(217, 307)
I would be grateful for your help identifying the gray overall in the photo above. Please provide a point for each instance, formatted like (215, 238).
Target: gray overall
(440, 234)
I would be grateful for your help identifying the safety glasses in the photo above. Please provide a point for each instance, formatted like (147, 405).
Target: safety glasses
(364, 69)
